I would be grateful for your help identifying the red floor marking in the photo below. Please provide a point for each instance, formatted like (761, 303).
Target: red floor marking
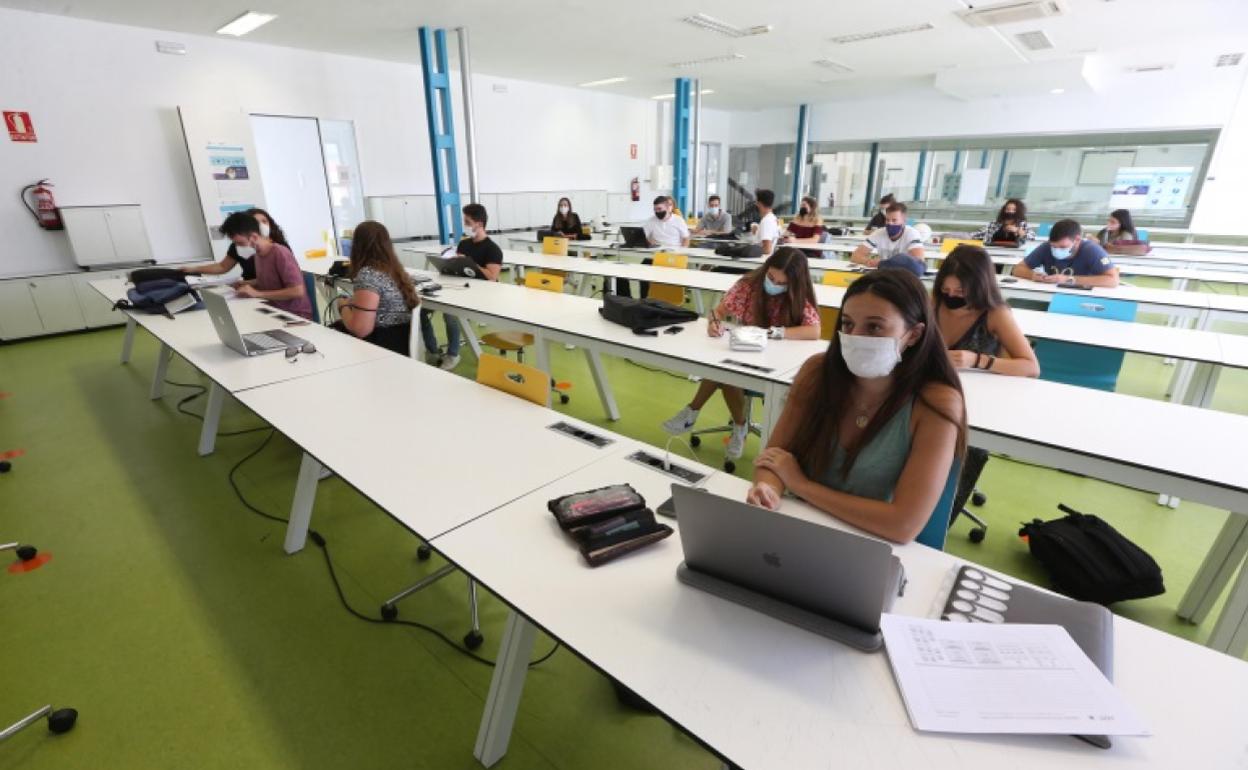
(9, 455)
(4, 394)
(20, 566)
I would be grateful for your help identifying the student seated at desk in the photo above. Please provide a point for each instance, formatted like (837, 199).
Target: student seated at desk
(881, 214)
(1117, 229)
(246, 258)
(974, 320)
(664, 228)
(779, 294)
(715, 221)
(279, 278)
(566, 222)
(807, 226)
(379, 309)
(872, 427)
(1010, 228)
(478, 247)
(1068, 258)
(897, 245)
(767, 231)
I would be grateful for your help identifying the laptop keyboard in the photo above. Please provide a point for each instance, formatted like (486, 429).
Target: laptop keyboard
(264, 341)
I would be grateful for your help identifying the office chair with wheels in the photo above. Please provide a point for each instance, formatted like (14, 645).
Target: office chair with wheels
(976, 459)
(695, 437)
(933, 533)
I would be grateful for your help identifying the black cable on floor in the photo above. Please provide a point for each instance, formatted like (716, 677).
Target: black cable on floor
(656, 370)
(199, 391)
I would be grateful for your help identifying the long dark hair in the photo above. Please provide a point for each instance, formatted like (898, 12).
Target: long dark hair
(1020, 210)
(828, 392)
(800, 289)
(371, 247)
(275, 230)
(563, 221)
(973, 268)
(1125, 225)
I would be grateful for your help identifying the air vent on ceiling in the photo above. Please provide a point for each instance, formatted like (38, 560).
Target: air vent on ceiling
(1229, 60)
(711, 60)
(1035, 40)
(1011, 12)
(834, 66)
(890, 32)
(712, 24)
(1140, 69)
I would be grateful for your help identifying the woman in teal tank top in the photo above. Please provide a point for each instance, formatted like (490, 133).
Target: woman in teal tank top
(872, 426)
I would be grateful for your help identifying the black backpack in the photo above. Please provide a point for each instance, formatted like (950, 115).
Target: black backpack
(740, 250)
(642, 314)
(1089, 560)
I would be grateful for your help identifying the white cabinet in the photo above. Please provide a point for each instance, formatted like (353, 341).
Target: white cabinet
(106, 235)
(96, 310)
(57, 303)
(393, 216)
(18, 317)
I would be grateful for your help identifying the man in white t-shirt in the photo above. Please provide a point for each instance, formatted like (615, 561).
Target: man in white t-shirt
(663, 229)
(896, 244)
(767, 231)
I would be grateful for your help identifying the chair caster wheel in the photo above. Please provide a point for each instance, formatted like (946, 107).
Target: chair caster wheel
(564, 398)
(730, 466)
(979, 498)
(424, 552)
(27, 552)
(695, 441)
(977, 535)
(62, 720)
(473, 639)
(5, 466)
(389, 612)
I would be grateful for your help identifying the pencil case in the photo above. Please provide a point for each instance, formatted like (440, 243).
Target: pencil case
(624, 533)
(596, 505)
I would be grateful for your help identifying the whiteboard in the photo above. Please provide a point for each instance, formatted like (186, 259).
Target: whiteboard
(223, 160)
(974, 188)
(1101, 167)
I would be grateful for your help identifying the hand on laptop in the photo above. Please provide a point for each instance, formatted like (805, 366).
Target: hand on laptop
(245, 290)
(764, 496)
(782, 463)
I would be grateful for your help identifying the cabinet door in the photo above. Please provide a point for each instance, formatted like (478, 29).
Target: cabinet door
(87, 229)
(128, 233)
(394, 217)
(96, 310)
(18, 317)
(57, 303)
(507, 219)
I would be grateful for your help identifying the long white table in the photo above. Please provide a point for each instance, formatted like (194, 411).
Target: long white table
(765, 694)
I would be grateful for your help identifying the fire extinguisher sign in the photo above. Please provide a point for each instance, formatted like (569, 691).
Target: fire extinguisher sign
(19, 127)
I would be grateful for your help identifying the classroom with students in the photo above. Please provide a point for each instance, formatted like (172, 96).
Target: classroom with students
(560, 385)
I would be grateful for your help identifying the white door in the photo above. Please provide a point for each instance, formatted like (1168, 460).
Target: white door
(296, 192)
(342, 171)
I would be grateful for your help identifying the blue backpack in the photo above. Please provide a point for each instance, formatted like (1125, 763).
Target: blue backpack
(152, 294)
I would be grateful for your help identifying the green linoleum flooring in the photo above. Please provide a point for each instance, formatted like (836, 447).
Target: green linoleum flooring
(170, 618)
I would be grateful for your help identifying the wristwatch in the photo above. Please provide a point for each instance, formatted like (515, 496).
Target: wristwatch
(776, 333)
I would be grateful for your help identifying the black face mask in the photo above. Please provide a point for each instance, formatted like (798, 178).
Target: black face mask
(804, 211)
(660, 214)
(952, 302)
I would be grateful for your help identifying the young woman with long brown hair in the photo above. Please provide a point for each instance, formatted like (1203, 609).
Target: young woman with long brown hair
(380, 308)
(269, 228)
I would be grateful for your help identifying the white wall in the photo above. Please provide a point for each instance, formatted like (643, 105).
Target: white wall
(103, 102)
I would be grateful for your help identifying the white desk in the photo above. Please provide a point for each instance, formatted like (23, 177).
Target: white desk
(432, 449)
(765, 694)
(192, 336)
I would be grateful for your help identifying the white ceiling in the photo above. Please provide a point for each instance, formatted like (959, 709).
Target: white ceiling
(572, 41)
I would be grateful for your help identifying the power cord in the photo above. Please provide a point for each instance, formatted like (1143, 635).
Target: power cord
(199, 391)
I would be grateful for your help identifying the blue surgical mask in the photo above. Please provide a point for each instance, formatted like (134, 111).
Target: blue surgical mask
(894, 230)
(772, 288)
(1060, 253)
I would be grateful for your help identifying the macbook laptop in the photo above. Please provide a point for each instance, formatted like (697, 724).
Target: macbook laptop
(462, 267)
(255, 344)
(826, 580)
(634, 237)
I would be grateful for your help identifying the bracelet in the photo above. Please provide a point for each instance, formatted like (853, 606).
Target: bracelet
(991, 360)
(978, 358)
(777, 332)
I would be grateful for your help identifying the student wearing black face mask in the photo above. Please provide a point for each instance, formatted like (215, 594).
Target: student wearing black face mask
(976, 324)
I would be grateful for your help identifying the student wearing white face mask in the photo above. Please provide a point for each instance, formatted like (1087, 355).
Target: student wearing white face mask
(566, 222)
(279, 279)
(715, 221)
(478, 247)
(871, 427)
(243, 256)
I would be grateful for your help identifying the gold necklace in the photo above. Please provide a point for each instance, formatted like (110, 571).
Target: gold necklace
(864, 416)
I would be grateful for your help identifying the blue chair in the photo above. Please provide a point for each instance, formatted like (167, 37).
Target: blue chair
(1043, 229)
(1141, 233)
(1084, 365)
(933, 533)
(309, 285)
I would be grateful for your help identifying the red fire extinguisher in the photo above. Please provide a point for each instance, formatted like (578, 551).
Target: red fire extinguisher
(44, 209)
(634, 187)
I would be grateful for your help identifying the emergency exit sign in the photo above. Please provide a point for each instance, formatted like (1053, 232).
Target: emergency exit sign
(19, 127)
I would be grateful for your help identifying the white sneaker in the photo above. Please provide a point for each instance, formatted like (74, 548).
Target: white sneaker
(682, 422)
(736, 441)
(449, 362)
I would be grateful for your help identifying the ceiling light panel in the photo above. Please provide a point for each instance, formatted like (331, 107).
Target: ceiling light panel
(712, 60)
(1035, 40)
(712, 24)
(603, 82)
(880, 33)
(246, 23)
(833, 66)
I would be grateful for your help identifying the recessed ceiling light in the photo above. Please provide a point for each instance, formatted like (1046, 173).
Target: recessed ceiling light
(835, 66)
(711, 60)
(711, 24)
(1058, 91)
(603, 82)
(879, 33)
(248, 22)
(661, 97)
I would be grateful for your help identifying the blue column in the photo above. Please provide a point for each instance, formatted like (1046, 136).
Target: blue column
(918, 179)
(983, 159)
(957, 162)
(440, 114)
(799, 154)
(683, 115)
(1005, 161)
(871, 163)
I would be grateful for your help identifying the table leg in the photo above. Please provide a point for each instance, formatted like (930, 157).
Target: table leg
(212, 416)
(1224, 557)
(605, 395)
(162, 368)
(301, 508)
(587, 286)
(127, 344)
(698, 302)
(506, 687)
(1230, 633)
(471, 336)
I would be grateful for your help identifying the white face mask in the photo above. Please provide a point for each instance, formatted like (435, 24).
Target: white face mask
(563, 210)
(713, 211)
(265, 229)
(244, 252)
(870, 357)
(467, 229)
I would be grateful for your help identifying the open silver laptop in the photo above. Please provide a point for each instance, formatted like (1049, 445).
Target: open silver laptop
(255, 344)
(828, 581)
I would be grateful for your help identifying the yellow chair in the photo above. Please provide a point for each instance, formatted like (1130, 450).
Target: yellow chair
(949, 244)
(544, 281)
(515, 342)
(666, 291)
(554, 246)
(527, 382)
(830, 316)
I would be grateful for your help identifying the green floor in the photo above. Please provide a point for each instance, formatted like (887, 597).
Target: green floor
(171, 620)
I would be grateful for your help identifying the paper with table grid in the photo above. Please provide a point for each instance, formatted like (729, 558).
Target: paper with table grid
(1001, 678)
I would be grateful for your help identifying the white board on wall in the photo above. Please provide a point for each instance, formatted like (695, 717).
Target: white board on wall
(974, 188)
(223, 159)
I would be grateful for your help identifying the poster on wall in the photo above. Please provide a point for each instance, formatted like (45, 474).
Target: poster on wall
(1151, 188)
(228, 162)
(222, 154)
(974, 188)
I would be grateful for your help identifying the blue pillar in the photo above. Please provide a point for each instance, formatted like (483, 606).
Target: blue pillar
(918, 179)
(871, 163)
(983, 159)
(799, 154)
(440, 114)
(957, 162)
(683, 115)
(1005, 161)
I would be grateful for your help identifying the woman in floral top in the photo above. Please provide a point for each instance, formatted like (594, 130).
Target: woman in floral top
(779, 296)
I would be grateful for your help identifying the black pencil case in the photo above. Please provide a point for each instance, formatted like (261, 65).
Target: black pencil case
(582, 509)
(624, 533)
